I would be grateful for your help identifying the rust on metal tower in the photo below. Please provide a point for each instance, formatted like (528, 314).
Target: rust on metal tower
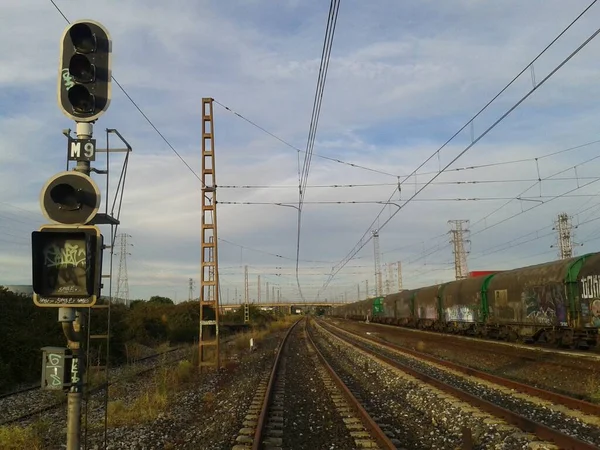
(209, 270)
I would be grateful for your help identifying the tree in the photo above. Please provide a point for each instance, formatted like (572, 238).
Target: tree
(157, 299)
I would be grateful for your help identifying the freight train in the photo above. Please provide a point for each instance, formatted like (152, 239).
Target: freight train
(556, 303)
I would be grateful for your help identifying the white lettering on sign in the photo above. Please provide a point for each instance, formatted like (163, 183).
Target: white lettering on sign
(590, 287)
(89, 149)
(75, 371)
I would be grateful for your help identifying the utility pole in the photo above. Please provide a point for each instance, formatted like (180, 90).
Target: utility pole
(358, 291)
(190, 289)
(399, 276)
(258, 297)
(564, 236)
(367, 287)
(208, 342)
(459, 233)
(246, 294)
(379, 284)
(122, 278)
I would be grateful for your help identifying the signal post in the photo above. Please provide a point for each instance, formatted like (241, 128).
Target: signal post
(67, 254)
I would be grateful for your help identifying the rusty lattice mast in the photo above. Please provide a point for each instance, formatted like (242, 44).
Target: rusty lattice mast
(209, 269)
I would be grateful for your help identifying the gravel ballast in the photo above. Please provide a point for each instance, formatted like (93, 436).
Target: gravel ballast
(573, 373)
(422, 417)
(566, 423)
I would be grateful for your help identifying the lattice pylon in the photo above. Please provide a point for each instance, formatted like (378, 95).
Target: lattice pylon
(209, 270)
(122, 278)
(459, 239)
(564, 227)
(246, 296)
(377, 258)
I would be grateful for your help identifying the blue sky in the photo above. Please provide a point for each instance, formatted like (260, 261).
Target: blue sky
(402, 79)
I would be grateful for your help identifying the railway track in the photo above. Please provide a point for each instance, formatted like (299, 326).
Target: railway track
(38, 386)
(492, 394)
(268, 419)
(54, 404)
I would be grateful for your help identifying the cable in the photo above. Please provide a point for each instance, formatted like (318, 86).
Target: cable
(314, 122)
(327, 186)
(458, 199)
(339, 161)
(500, 119)
(270, 254)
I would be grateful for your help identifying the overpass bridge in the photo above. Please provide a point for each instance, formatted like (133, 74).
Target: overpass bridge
(287, 305)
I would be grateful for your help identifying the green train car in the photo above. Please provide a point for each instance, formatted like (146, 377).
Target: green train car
(556, 302)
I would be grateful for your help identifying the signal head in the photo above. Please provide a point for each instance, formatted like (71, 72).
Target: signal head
(70, 198)
(84, 80)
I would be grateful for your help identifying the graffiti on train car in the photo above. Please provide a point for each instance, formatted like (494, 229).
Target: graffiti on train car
(459, 313)
(545, 304)
(590, 291)
(427, 312)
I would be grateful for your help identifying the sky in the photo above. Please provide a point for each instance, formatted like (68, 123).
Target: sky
(403, 79)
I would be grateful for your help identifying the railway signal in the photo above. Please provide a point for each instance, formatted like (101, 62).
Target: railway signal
(84, 80)
(71, 198)
(66, 265)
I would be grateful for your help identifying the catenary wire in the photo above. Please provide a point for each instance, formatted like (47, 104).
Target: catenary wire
(500, 119)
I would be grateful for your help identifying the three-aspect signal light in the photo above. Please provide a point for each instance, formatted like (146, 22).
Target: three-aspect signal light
(67, 262)
(71, 198)
(84, 80)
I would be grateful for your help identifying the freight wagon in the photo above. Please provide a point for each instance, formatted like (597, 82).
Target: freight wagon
(556, 302)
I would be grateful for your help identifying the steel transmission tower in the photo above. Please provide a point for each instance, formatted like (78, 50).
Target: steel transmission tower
(399, 276)
(378, 280)
(459, 233)
(190, 289)
(246, 295)
(565, 235)
(122, 279)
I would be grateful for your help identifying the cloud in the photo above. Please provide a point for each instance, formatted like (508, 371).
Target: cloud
(401, 81)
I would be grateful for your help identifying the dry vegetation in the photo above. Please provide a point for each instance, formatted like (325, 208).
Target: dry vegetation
(17, 437)
(167, 381)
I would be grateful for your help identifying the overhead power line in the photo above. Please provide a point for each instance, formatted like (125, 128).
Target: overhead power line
(297, 149)
(334, 7)
(363, 242)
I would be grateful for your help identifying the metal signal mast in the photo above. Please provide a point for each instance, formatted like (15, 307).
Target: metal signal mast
(460, 253)
(209, 269)
(378, 280)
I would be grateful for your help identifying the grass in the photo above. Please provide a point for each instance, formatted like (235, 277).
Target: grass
(155, 400)
(594, 389)
(168, 380)
(31, 437)
(242, 341)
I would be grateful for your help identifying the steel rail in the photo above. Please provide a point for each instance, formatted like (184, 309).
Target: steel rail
(376, 432)
(554, 397)
(260, 424)
(39, 386)
(541, 431)
(90, 391)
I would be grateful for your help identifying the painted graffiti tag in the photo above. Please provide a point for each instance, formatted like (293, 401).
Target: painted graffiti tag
(67, 78)
(69, 255)
(590, 287)
(459, 314)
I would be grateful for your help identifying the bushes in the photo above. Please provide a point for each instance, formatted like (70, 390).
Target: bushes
(26, 328)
